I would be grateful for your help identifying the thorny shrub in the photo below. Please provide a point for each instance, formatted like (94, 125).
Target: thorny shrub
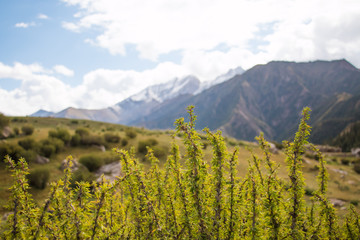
(194, 200)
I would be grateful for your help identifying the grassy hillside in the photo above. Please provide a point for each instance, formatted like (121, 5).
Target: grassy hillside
(344, 182)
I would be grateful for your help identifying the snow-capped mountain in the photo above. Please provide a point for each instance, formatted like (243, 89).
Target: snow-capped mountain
(138, 106)
(142, 103)
(171, 89)
(222, 78)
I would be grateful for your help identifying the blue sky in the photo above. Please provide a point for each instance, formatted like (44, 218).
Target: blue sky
(94, 53)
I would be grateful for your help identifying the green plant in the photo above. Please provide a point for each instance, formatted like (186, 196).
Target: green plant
(82, 131)
(345, 161)
(130, 133)
(12, 150)
(160, 151)
(60, 133)
(357, 167)
(28, 143)
(27, 129)
(16, 131)
(89, 140)
(111, 138)
(50, 146)
(4, 121)
(39, 177)
(187, 199)
(47, 150)
(124, 142)
(75, 140)
(81, 175)
(142, 145)
(92, 163)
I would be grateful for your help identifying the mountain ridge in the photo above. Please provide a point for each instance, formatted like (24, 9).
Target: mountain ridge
(269, 98)
(266, 98)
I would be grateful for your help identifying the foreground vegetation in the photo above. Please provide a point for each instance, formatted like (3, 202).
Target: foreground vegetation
(186, 199)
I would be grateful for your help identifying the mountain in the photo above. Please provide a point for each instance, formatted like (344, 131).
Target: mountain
(222, 78)
(42, 113)
(269, 98)
(136, 107)
(141, 104)
(97, 115)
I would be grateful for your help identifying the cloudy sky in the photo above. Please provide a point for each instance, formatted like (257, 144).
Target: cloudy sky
(94, 53)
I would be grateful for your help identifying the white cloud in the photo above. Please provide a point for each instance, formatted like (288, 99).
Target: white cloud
(297, 30)
(38, 89)
(42, 16)
(100, 88)
(24, 25)
(71, 26)
(61, 69)
(161, 26)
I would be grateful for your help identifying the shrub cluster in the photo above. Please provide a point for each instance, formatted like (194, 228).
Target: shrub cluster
(81, 175)
(142, 145)
(91, 162)
(62, 134)
(39, 177)
(82, 137)
(27, 129)
(4, 121)
(28, 143)
(16, 152)
(130, 133)
(50, 146)
(185, 201)
(357, 167)
(111, 138)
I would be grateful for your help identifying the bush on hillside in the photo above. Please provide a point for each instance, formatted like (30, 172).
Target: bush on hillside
(16, 131)
(29, 155)
(13, 150)
(111, 137)
(92, 163)
(82, 131)
(109, 157)
(28, 143)
(27, 129)
(82, 174)
(47, 150)
(50, 146)
(160, 151)
(124, 142)
(345, 161)
(89, 140)
(130, 133)
(4, 121)
(75, 140)
(357, 167)
(62, 134)
(39, 177)
(146, 143)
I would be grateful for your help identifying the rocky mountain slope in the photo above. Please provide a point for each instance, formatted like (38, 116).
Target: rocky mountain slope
(269, 98)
